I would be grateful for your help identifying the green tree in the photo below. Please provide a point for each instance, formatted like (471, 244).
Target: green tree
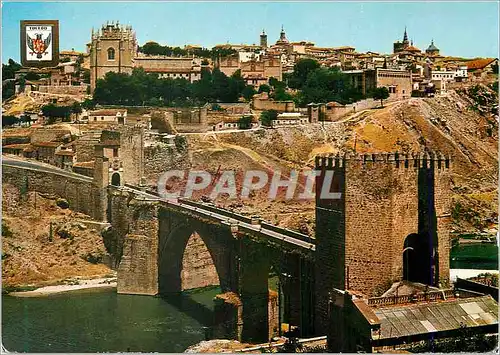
(264, 88)
(31, 76)
(88, 104)
(86, 76)
(248, 92)
(301, 71)
(140, 88)
(266, 117)
(9, 120)
(280, 94)
(9, 70)
(25, 119)
(52, 112)
(8, 89)
(381, 94)
(274, 82)
(245, 122)
(494, 68)
(76, 109)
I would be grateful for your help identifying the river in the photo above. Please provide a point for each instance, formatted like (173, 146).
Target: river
(103, 321)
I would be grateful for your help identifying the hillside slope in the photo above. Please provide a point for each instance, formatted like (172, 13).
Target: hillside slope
(451, 124)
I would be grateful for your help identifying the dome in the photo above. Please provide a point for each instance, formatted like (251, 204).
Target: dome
(432, 47)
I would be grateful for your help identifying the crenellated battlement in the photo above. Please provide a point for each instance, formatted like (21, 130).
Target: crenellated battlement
(403, 160)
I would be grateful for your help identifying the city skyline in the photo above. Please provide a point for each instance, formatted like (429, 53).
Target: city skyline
(361, 25)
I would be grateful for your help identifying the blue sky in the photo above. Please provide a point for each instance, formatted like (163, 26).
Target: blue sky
(468, 29)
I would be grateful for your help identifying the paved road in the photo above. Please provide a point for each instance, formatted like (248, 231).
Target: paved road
(199, 209)
(37, 166)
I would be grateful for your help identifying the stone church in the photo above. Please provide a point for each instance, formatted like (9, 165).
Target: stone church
(113, 48)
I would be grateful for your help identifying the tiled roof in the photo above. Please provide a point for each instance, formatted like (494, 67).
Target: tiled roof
(106, 112)
(70, 53)
(47, 144)
(426, 317)
(412, 49)
(84, 164)
(479, 63)
(173, 70)
(17, 146)
(65, 152)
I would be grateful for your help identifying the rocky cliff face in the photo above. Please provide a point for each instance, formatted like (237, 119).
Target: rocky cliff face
(43, 242)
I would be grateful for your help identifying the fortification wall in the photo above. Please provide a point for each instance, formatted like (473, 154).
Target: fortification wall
(84, 145)
(266, 104)
(381, 211)
(138, 267)
(63, 89)
(81, 194)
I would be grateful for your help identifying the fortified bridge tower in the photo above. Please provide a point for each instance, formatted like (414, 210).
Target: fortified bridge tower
(390, 224)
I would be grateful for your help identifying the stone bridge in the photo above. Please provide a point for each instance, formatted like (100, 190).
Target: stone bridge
(243, 251)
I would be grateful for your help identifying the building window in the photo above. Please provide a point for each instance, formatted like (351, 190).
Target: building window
(111, 54)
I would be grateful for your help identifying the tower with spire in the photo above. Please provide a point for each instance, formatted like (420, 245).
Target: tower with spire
(401, 46)
(263, 39)
(283, 39)
(405, 38)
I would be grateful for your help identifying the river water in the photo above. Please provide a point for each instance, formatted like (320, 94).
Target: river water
(103, 321)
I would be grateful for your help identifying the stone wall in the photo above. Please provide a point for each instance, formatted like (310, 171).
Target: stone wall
(49, 135)
(161, 154)
(132, 153)
(381, 211)
(81, 193)
(266, 104)
(84, 145)
(63, 89)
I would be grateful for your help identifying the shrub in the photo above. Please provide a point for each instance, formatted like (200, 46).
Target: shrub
(6, 232)
(93, 258)
(64, 234)
(62, 203)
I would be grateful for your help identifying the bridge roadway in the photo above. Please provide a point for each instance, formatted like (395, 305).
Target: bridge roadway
(230, 218)
(38, 166)
(202, 209)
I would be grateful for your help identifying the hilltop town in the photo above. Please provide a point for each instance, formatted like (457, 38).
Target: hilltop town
(123, 113)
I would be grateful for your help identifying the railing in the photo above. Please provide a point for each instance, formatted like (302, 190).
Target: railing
(244, 222)
(419, 297)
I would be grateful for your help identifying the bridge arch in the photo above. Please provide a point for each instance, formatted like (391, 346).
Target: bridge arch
(176, 272)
